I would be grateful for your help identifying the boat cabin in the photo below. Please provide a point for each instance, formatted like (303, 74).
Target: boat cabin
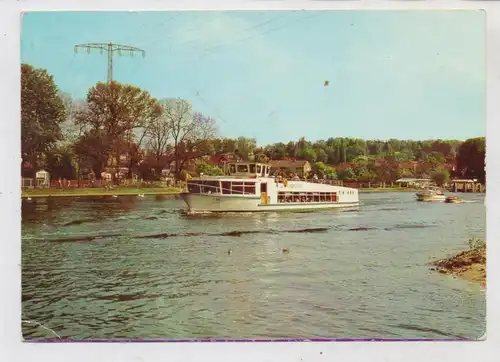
(240, 179)
(249, 169)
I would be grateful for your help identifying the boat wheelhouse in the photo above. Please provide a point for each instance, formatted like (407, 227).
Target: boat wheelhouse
(432, 194)
(248, 187)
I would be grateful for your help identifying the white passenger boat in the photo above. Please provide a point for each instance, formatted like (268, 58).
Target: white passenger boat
(431, 194)
(247, 187)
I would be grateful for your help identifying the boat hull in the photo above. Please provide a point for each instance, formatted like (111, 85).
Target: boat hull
(223, 203)
(454, 201)
(433, 198)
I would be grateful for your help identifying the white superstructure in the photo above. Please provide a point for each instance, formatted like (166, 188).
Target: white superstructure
(249, 188)
(431, 194)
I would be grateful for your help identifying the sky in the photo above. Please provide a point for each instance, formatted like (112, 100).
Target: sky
(261, 74)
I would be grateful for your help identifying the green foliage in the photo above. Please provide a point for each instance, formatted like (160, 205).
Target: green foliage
(42, 112)
(471, 159)
(307, 154)
(347, 174)
(320, 169)
(477, 243)
(119, 119)
(209, 170)
(435, 158)
(440, 176)
(113, 111)
(363, 174)
(60, 163)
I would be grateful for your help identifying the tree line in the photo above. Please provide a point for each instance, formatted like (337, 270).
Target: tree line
(121, 125)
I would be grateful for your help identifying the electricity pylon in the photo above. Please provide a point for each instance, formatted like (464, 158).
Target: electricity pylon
(111, 49)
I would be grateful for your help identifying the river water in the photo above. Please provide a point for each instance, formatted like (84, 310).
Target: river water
(135, 267)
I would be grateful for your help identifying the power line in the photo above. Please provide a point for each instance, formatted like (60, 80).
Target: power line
(110, 48)
(151, 40)
(149, 27)
(210, 49)
(238, 32)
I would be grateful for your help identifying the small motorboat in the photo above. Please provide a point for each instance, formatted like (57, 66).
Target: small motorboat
(453, 200)
(430, 195)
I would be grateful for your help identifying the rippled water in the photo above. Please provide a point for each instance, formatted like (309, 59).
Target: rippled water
(139, 268)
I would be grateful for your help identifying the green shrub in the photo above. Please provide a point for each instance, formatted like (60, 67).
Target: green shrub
(477, 243)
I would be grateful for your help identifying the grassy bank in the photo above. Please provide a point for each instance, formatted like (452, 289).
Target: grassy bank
(469, 264)
(83, 192)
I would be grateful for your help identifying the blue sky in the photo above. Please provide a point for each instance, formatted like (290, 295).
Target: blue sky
(392, 74)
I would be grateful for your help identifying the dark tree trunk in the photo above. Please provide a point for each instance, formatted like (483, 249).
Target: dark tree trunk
(97, 168)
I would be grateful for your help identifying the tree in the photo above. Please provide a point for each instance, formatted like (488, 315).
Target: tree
(471, 159)
(190, 132)
(440, 176)
(42, 112)
(209, 170)
(307, 153)
(386, 169)
(158, 145)
(246, 147)
(321, 170)
(347, 174)
(277, 151)
(435, 158)
(108, 122)
(60, 163)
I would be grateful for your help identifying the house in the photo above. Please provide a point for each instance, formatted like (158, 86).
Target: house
(466, 185)
(42, 178)
(219, 160)
(299, 167)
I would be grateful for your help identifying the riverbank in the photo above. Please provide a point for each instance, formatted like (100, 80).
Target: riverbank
(388, 189)
(470, 264)
(96, 192)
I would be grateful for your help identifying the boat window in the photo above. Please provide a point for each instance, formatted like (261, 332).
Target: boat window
(203, 187)
(193, 187)
(268, 170)
(210, 187)
(263, 173)
(237, 188)
(306, 197)
(258, 169)
(226, 187)
(252, 168)
(249, 188)
(242, 168)
(232, 168)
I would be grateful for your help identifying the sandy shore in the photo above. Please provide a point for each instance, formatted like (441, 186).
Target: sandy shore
(470, 265)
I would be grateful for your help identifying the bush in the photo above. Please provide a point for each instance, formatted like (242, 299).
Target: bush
(209, 170)
(440, 176)
(477, 243)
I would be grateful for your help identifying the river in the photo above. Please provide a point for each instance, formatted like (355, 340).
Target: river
(135, 267)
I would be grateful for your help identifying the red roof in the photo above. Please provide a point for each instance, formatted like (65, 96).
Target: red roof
(218, 159)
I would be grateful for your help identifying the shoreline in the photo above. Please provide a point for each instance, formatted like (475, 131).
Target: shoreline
(469, 265)
(91, 192)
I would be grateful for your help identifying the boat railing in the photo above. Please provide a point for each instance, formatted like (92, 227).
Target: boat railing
(217, 189)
